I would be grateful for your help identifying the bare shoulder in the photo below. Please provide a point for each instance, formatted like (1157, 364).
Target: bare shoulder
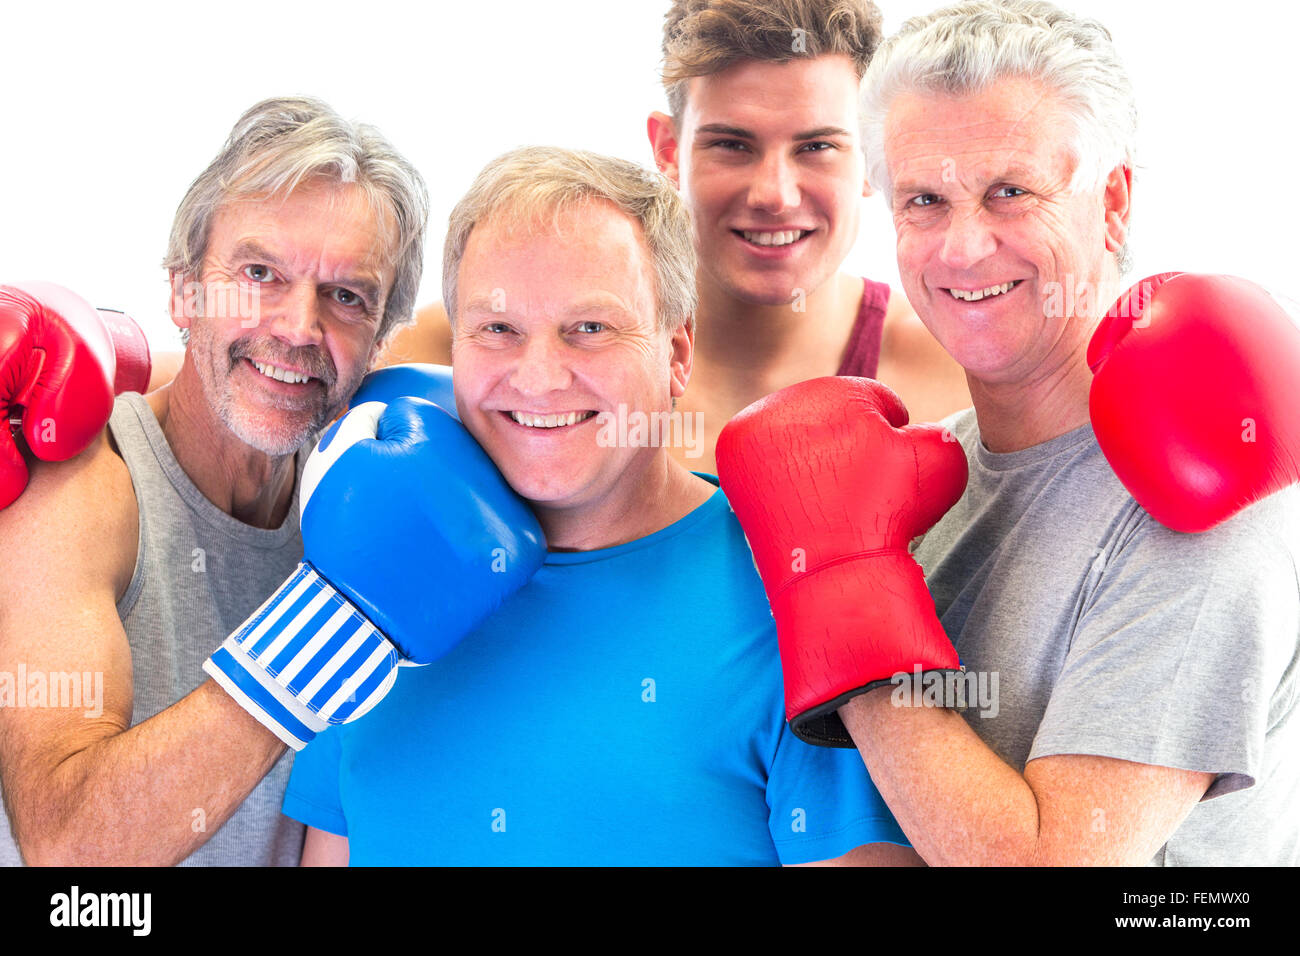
(428, 339)
(915, 365)
(165, 366)
(76, 526)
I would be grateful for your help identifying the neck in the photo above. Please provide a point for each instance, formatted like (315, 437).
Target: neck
(647, 501)
(1053, 399)
(1020, 415)
(740, 346)
(245, 483)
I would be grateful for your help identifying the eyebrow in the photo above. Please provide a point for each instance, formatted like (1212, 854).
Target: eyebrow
(722, 129)
(250, 249)
(913, 187)
(823, 132)
(1014, 173)
(600, 306)
(481, 304)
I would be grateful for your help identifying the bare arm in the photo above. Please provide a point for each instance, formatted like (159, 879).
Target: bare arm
(913, 363)
(961, 804)
(323, 848)
(428, 340)
(82, 787)
(874, 854)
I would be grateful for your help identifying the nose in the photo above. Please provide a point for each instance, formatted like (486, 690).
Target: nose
(296, 316)
(967, 239)
(540, 367)
(775, 187)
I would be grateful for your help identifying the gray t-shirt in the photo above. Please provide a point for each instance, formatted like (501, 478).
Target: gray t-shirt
(198, 574)
(1113, 636)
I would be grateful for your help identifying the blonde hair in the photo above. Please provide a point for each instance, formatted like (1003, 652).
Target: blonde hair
(525, 185)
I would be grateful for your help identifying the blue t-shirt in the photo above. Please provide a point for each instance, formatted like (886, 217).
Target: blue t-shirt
(625, 707)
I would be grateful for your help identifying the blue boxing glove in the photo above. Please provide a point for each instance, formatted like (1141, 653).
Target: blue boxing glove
(413, 380)
(411, 538)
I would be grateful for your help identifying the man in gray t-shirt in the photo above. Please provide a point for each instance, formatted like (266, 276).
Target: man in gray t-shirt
(1141, 682)
(292, 256)
(1116, 637)
(1134, 687)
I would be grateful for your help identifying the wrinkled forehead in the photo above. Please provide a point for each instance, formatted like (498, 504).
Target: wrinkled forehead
(355, 217)
(1014, 127)
(573, 259)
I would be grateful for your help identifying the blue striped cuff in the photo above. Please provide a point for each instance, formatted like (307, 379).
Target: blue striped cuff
(306, 658)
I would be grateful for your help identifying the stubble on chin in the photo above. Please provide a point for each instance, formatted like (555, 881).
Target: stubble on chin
(274, 431)
(273, 438)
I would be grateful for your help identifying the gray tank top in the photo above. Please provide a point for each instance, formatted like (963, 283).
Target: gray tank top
(199, 573)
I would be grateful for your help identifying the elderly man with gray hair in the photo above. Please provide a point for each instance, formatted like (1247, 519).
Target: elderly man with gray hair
(624, 706)
(1135, 687)
(292, 256)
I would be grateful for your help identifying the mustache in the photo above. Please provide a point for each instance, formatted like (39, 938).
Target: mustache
(310, 360)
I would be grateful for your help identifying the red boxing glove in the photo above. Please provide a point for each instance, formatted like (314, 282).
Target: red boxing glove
(131, 349)
(1195, 396)
(61, 361)
(830, 489)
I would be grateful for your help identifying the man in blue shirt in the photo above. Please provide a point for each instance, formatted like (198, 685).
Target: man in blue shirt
(624, 706)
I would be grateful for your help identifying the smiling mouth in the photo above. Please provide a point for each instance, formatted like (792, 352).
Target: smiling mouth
(279, 374)
(787, 237)
(554, 420)
(975, 295)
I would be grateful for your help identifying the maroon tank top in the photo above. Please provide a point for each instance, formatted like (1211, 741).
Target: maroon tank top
(862, 354)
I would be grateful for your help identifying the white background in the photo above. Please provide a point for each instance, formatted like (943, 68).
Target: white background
(110, 110)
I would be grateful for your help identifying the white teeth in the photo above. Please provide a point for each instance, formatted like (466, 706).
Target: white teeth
(982, 293)
(550, 421)
(280, 374)
(774, 238)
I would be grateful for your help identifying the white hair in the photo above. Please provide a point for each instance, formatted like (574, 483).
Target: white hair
(968, 47)
(280, 143)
